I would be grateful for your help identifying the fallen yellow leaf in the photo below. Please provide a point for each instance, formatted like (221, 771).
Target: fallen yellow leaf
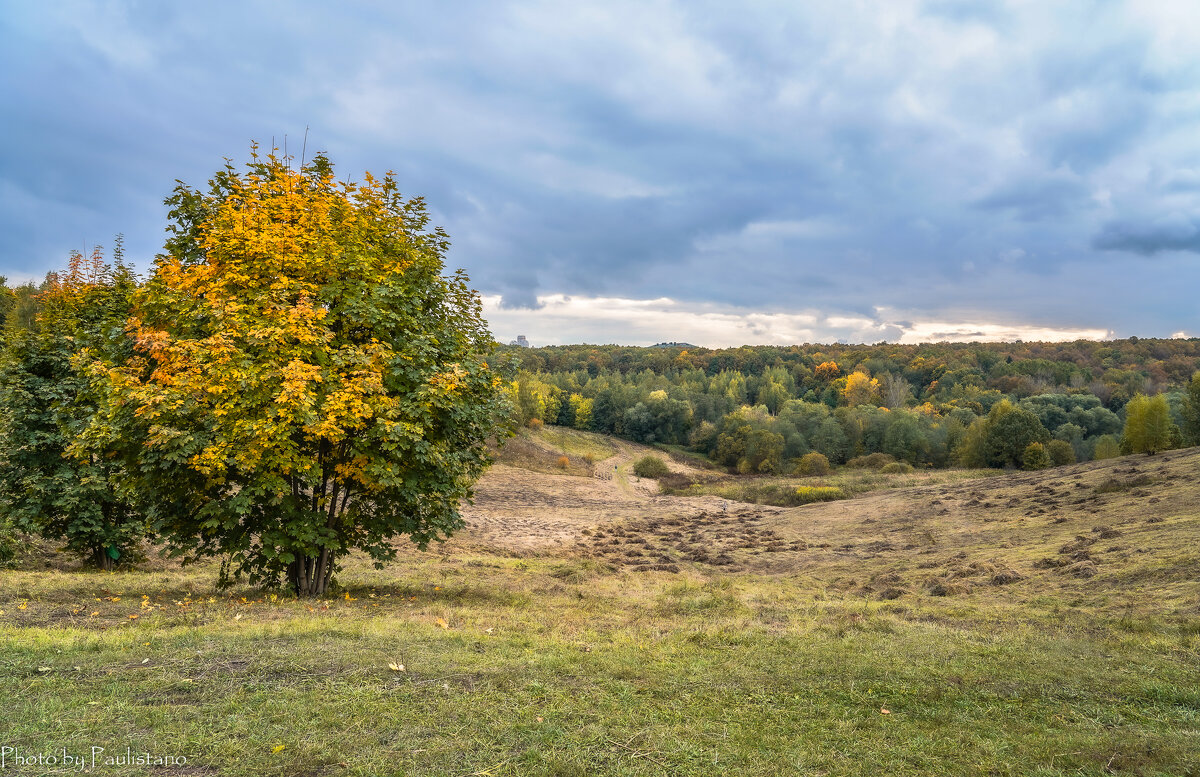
(884, 711)
(396, 667)
(442, 622)
(277, 748)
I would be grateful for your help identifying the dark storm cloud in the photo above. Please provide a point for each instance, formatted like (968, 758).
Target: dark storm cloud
(1170, 234)
(1033, 199)
(926, 157)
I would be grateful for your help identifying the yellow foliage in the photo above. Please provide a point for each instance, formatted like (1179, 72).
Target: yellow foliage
(861, 389)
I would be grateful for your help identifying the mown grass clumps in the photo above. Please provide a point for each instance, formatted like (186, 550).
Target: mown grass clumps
(1116, 485)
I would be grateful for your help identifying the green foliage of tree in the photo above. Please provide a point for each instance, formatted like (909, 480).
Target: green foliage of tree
(581, 411)
(905, 439)
(1072, 388)
(830, 440)
(1010, 430)
(1060, 452)
(972, 450)
(1106, 447)
(1035, 457)
(1148, 425)
(46, 402)
(306, 382)
(1191, 411)
(658, 419)
(813, 464)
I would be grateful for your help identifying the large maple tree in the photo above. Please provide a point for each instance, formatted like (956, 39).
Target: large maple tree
(307, 380)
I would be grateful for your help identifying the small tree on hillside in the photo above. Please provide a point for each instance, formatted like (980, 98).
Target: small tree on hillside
(1010, 430)
(1035, 456)
(1148, 425)
(307, 381)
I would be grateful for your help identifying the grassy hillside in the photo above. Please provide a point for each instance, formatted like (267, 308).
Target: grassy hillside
(1044, 624)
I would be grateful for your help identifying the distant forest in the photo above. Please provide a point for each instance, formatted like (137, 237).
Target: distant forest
(761, 409)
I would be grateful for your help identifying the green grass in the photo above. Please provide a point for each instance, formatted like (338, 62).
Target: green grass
(576, 443)
(781, 491)
(541, 669)
(545, 449)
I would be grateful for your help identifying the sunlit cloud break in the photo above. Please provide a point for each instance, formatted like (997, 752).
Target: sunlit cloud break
(561, 319)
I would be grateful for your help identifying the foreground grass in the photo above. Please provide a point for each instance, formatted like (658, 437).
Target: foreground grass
(562, 667)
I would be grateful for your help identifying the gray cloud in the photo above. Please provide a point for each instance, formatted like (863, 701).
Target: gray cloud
(924, 156)
(1173, 233)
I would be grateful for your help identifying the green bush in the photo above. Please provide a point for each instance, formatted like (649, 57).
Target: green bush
(8, 542)
(1035, 456)
(650, 467)
(871, 461)
(813, 464)
(808, 494)
(896, 468)
(1060, 452)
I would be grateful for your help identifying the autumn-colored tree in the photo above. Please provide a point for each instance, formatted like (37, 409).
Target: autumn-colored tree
(45, 402)
(1148, 425)
(827, 371)
(813, 464)
(861, 389)
(1035, 457)
(307, 381)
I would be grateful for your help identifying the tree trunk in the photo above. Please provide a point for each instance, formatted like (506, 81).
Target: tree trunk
(309, 576)
(101, 559)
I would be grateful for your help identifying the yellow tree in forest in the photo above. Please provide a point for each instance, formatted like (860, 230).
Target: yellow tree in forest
(861, 389)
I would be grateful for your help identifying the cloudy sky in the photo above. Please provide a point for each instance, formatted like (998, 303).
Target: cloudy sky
(649, 171)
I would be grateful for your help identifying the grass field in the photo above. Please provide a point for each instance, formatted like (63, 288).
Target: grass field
(850, 482)
(1026, 624)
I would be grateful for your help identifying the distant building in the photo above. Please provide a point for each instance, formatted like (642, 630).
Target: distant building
(521, 341)
(674, 345)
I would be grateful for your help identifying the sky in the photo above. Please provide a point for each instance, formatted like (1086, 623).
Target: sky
(640, 172)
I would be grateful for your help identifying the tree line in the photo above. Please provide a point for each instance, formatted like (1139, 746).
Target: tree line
(762, 409)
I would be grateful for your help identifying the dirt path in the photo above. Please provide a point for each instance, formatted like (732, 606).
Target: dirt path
(524, 512)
